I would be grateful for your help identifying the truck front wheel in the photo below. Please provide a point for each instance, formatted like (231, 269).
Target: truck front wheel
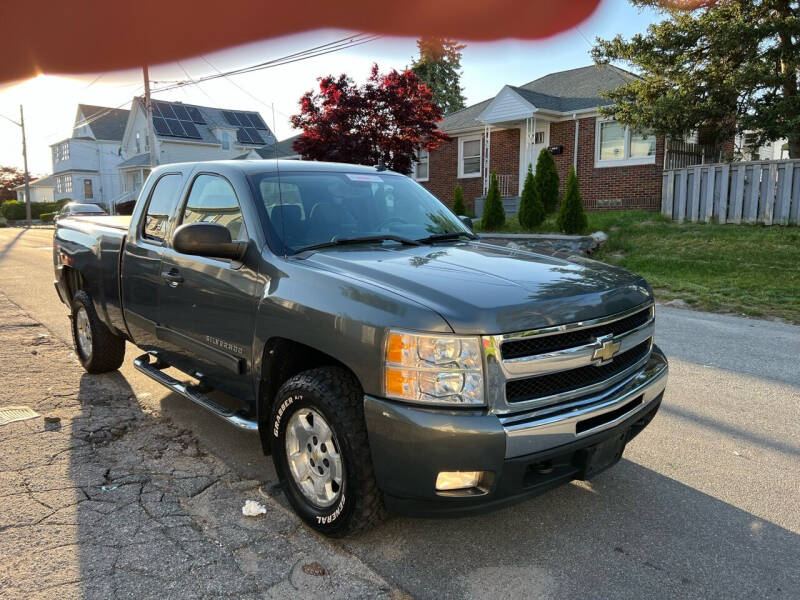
(321, 451)
(98, 349)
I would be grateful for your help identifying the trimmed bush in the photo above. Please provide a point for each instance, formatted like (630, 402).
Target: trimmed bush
(47, 217)
(571, 218)
(13, 210)
(458, 201)
(531, 210)
(494, 215)
(546, 181)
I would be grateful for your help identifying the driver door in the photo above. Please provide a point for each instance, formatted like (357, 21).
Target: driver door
(208, 305)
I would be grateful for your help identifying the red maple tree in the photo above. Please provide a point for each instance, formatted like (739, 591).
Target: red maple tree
(388, 119)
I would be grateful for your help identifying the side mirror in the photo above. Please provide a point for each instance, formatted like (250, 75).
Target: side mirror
(467, 221)
(207, 239)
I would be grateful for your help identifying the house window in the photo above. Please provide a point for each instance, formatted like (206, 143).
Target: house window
(469, 156)
(87, 189)
(138, 143)
(225, 139)
(538, 137)
(422, 166)
(58, 185)
(65, 151)
(617, 145)
(68, 184)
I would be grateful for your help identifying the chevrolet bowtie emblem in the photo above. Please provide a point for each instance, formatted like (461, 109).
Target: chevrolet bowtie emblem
(606, 350)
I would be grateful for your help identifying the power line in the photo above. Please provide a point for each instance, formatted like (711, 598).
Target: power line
(199, 87)
(349, 42)
(253, 96)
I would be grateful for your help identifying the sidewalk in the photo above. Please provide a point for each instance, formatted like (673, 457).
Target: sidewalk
(115, 502)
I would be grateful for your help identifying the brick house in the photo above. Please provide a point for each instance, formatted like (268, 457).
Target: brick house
(616, 168)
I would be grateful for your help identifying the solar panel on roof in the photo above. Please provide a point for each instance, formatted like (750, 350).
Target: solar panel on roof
(254, 135)
(241, 136)
(230, 117)
(191, 130)
(156, 111)
(195, 115)
(181, 112)
(160, 126)
(257, 121)
(176, 128)
(166, 110)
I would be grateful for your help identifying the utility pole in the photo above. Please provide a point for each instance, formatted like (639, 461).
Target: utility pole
(27, 175)
(148, 109)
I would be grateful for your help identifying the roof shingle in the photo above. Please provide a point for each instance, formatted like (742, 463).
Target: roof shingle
(565, 91)
(106, 123)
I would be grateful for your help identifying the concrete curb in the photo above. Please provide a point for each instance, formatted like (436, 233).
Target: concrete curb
(552, 242)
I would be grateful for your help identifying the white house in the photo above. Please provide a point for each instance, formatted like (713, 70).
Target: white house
(186, 132)
(85, 165)
(749, 150)
(42, 189)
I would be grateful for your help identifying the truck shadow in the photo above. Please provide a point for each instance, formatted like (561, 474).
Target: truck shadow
(631, 532)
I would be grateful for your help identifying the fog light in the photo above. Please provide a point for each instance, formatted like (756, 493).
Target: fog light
(458, 480)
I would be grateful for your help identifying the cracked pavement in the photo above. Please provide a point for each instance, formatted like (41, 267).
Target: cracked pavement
(116, 501)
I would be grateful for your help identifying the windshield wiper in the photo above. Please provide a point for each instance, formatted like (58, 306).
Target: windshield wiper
(362, 240)
(444, 237)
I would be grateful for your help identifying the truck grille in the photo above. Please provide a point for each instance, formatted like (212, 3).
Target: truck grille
(561, 341)
(531, 388)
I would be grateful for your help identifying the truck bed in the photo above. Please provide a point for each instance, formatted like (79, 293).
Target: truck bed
(114, 222)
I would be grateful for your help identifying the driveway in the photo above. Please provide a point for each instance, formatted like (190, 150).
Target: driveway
(705, 503)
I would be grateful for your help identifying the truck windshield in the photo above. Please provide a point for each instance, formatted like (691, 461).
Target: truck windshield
(314, 208)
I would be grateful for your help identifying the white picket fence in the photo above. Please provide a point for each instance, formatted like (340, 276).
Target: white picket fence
(765, 192)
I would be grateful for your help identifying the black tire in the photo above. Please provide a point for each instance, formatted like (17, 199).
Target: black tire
(336, 395)
(107, 349)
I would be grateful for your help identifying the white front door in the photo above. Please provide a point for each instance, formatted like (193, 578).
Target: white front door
(530, 153)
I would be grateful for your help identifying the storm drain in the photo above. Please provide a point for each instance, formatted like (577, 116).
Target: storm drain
(9, 414)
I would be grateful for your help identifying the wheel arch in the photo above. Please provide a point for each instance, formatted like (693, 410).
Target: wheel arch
(281, 359)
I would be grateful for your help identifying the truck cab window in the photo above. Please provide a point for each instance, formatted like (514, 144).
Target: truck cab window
(212, 200)
(163, 200)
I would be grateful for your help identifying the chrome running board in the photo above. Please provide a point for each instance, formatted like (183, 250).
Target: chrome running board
(153, 371)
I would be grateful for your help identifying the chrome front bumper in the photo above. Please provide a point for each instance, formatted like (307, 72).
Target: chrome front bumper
(533, 431)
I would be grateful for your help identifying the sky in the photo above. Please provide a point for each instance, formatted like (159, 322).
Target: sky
(50, 102)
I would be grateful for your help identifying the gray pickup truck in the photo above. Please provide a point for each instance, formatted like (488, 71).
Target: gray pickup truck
(386, 356)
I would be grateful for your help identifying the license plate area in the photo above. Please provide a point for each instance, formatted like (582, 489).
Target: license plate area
(596, 459)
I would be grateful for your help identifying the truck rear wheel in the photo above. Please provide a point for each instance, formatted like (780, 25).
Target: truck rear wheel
(98, 349)
(321, 452)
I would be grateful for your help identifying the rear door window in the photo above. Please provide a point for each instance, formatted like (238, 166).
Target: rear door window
(163, 200)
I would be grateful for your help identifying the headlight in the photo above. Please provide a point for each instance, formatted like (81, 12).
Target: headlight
(434, 369)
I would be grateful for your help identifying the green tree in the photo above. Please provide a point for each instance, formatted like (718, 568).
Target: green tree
(531, 209)
(546, 180)
(722, 68)
(494, 215)
(458, 201)
(439, 66)
(571, 218)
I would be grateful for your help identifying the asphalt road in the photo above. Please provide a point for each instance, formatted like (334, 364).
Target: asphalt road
(705, 503)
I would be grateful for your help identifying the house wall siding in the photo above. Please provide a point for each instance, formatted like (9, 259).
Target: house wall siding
(634, 187)
(607, 188)
(444, 178)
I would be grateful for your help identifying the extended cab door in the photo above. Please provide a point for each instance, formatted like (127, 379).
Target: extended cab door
(141, 260)
(208, 305)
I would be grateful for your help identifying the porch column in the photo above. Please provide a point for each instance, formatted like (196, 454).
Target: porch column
(487, 176)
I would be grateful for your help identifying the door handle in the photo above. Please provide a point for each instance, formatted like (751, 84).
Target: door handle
(173, 277)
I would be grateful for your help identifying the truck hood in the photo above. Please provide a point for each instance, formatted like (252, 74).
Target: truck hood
(483, 289)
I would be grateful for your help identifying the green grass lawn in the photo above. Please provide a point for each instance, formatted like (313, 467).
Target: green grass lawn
(745, 269)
